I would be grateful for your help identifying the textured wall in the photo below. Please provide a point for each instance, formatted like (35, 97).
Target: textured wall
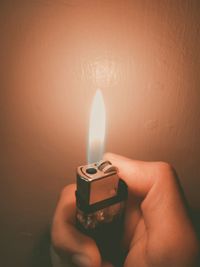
(144, 55)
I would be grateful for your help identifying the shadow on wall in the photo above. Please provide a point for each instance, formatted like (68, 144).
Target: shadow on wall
(41, 252)
(196, 221)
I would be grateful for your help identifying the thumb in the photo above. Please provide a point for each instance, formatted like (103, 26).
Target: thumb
(157, 184)
(139, 175)
(68, 242)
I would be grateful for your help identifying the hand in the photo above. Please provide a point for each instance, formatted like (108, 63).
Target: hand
(158, 231)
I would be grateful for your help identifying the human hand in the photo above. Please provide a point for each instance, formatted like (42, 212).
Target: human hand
(157, 232)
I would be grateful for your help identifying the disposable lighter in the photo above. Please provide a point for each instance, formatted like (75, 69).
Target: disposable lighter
(100, 204)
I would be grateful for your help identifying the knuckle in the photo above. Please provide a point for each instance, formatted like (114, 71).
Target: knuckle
(165, 171)
(165, 167)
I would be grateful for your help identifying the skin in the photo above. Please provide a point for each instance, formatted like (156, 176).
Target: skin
(158, 231)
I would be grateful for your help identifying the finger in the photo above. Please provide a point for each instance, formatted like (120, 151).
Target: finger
(154, 180)
(137, 174)
(162, 207)
(67, 240)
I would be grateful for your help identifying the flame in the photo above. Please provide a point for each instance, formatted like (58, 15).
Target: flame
(96, 129)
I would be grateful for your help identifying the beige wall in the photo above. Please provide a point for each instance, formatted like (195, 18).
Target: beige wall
(144, 55)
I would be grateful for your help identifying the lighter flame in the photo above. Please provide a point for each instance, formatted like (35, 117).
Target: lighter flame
(97, 129)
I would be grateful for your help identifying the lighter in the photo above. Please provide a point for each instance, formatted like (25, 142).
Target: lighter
(100, 202)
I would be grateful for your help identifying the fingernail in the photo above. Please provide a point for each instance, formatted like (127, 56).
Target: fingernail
(81, 260)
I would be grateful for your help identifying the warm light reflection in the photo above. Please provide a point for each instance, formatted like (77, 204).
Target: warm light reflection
(96, 129)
